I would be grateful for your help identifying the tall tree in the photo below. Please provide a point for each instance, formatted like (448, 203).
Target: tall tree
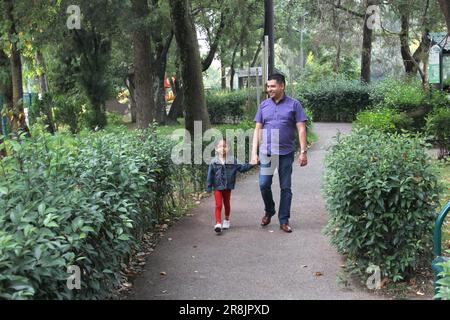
(142, 80)
(18, 114)
(445, 7)
(191, 68)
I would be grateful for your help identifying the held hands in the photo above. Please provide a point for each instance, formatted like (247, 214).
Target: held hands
(255, 160)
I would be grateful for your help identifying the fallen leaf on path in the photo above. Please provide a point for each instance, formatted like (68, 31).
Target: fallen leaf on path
(163, 273)
(270, 230)
(304, 266)
(318, 274)
(127, 285)
(170, 239)
(420, 293)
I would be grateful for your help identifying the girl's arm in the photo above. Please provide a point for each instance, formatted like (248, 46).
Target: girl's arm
(210, 179)
(244, 167)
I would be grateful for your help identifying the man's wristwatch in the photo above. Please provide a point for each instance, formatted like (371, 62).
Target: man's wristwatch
(303, 152)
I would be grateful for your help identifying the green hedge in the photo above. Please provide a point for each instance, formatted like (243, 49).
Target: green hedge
(438, 128)
(382, 193)
(335, 100)
(80, 200)
(226, 106)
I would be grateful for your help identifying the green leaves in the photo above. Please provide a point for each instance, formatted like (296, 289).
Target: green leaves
(81, 200)
(382, 194)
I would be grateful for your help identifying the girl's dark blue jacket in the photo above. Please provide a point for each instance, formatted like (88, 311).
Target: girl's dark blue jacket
(223, 176)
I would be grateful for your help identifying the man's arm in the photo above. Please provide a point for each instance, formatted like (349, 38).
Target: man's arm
(302, 158)
(256, 138)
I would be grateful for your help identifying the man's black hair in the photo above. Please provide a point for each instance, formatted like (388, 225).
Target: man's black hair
(278, 77)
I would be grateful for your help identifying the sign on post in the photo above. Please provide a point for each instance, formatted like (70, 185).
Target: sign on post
(434, 65)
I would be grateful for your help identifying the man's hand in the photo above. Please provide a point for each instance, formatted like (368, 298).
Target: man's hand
(302, 159)
(255, 159)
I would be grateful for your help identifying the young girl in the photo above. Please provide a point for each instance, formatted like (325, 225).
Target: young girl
(221, 178)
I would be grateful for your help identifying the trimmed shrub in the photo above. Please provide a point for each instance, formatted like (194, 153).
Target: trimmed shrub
(80, 200)
(226, 107)
(382, 194)
(334, 99)
(383, 119)
(438, 127)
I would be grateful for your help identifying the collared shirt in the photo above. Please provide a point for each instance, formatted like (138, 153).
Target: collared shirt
(279, 123)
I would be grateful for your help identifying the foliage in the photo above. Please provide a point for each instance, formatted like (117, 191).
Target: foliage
(382, 194)
(438, 126)
(226, 107)
(383, 119)
(80, 200)
(443, 288)
(334, 99)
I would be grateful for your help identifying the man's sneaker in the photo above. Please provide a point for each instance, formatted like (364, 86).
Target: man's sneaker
(226, 224)
(218, 228)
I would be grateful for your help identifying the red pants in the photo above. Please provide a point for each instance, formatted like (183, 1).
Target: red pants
(222, 196)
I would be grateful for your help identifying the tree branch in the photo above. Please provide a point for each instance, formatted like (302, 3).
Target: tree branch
(212, 51)
(354, 13)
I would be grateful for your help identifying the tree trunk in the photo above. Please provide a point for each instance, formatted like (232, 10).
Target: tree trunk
(410, 67)
(129, 82)
(412, 61)
(6, 84)
(18, 121)
(445, 6)
(232, 71)
(223, 76)
(43, 83)
(366, 54)
(159, 69)
(142, 68)
(191, 67)
(159, 93)
(177, 108)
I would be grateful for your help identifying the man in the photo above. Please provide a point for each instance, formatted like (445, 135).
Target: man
(277, 120)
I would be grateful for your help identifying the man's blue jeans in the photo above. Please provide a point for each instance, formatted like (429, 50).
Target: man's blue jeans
(284, 165)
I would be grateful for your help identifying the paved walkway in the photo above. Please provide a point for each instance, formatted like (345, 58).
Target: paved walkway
(248, 261)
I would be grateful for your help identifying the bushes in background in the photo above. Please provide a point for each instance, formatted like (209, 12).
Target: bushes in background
(382, 194)
(383, 119)
(438, 127)
(337, 100)
(226, 107)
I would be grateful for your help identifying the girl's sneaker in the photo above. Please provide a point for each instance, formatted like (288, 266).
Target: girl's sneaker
(226, 224)
(218, 228)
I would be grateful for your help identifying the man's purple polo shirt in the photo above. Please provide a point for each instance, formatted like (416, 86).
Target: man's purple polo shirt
(283, 116)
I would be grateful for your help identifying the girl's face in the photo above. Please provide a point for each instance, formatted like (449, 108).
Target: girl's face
(222, 148)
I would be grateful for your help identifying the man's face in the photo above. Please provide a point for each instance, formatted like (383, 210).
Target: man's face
(275, 89)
